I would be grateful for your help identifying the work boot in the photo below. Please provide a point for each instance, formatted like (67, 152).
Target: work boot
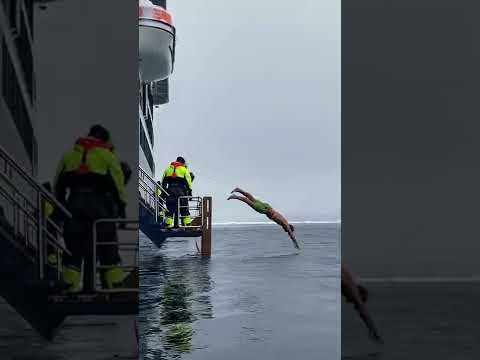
(187, 220)
(52, 260)
(169, 223)
(72, 277)
(161, 215)
(113, 278)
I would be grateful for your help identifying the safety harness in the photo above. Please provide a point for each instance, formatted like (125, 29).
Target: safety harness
(88, 144)
(173, 179)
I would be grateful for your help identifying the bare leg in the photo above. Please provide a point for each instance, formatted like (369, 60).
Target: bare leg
(244, 193)
(247, 201)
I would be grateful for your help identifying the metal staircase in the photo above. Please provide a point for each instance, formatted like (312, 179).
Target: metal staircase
(27, 235)
(152, 198)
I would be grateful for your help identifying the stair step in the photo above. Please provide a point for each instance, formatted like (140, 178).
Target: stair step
(120, 303)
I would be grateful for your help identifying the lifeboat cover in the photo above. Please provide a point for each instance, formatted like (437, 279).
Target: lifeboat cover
(156, 42)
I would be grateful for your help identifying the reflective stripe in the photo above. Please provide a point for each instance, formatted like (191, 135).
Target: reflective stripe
(48, 209)
(187, 220)
(114, 277)
(177, 171)
(72, 277)
(169, 221)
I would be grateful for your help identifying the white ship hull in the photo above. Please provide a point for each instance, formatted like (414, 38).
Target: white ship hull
(156, 59)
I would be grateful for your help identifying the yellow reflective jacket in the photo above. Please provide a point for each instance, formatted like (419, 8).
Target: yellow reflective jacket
(90, 156)
(177, 173)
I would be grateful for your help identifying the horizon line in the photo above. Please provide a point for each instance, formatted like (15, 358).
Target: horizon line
(419, 280)
(273, 223)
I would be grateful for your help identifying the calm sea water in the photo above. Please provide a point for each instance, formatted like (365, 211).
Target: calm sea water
(425, 320)
(255, 298)
(79, 338)
(423, 309)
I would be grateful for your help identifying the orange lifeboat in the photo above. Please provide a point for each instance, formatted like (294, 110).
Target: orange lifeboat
(156, 42)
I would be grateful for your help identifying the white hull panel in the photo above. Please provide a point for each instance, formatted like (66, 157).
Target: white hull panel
(156, 44)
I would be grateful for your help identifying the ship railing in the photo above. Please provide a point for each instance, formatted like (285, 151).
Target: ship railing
(192, 207)
(152, 194)
(23, 213)
(128, 251)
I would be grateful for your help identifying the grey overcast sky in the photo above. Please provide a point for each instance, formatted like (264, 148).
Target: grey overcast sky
(255, 103)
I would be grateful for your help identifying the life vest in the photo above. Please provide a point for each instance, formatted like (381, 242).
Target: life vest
(175, 165)
(88, 144)
(176, 179)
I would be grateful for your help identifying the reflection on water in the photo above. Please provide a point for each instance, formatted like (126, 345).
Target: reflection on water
(424, 320)
(174, 293)
(176, 316)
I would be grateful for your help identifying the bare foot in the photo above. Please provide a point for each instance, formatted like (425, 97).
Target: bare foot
(235, 190)
(231, 197)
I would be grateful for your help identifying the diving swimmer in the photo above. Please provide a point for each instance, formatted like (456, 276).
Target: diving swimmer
(357, 295)
(264, 208)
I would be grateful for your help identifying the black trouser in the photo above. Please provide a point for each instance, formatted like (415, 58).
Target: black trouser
(175, 191)
(86, 208)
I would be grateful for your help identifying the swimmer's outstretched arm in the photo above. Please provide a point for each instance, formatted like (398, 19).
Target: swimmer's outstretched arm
(351, 292)
(367, 319)
(283, 222)
(295, 242)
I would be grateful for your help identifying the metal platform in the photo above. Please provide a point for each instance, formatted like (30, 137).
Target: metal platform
(180, 232)
(152, 207)
(157, 233)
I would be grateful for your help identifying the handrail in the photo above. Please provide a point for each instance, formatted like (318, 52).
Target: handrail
(32, 182)
(161, 203)
(125, 246)
(151, 199)
(28, 215)
(152, 190)
(144, 173)
(31, 225)
(197, 208)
